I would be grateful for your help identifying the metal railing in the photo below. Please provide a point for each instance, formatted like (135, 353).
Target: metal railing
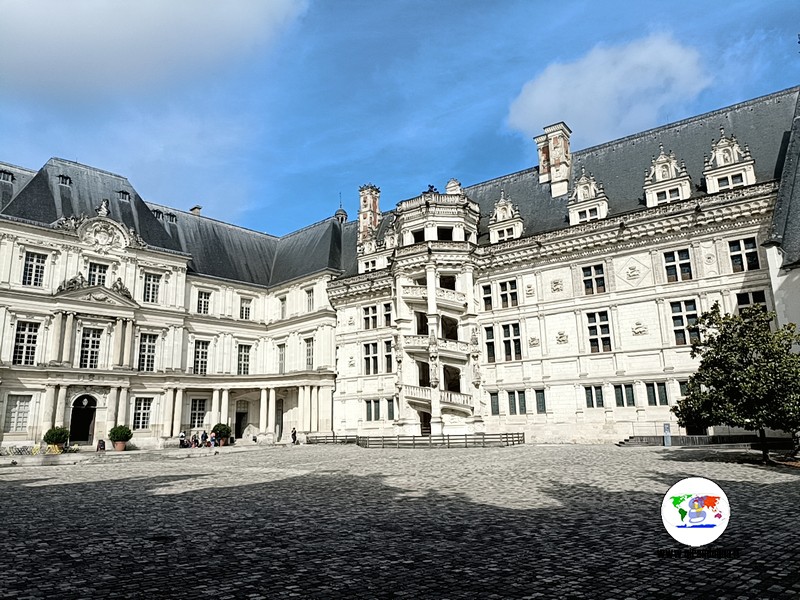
(332, 439)
(470, 440)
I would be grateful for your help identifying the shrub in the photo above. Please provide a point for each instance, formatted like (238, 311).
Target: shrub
(221, 430)
(56, 435)
(120, 433)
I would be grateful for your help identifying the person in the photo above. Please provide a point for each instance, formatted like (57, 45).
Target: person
(194, 440)
(213, 439)
(294, 435)
(183, 439)
(204, 437)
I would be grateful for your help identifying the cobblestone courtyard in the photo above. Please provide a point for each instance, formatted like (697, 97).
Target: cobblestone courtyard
(339, 521)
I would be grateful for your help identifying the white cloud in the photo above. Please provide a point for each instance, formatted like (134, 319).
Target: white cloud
(104, 45)
(611, 91)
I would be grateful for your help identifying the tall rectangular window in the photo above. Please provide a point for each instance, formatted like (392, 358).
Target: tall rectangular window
(508, 293)
(516, 402)
(25, 343)
(388, 361)
(17, 409)
(678, 265)
(657, 394)
(387, 314)
(744, 255)
(599, 331)
(371, 358)
(487, 297)
(147, 351)
(141, 413)
(541, 405)
(203, 302)
(494, 403)
(310, 299)
(33, 269)
(594, 280)
(489, 331)
(749, 298)
(282, 306)
(90, 348)
(623, 394)
(594, 396)
(245, 304)
(281, 358)
(309, 353)
(151, 284)
(512, 344)
(370, 317)
(97, 274)
(197, 414)
(390, 409)
(243, 359)
(684, 322)
(373, 410)
(201, 357)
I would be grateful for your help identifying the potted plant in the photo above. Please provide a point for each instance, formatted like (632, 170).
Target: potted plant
(120, 436)
(222, 433)
(56, 436)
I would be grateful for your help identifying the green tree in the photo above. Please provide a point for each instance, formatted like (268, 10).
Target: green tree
(749, 376)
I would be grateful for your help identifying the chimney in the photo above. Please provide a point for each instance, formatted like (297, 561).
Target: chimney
(368, 211)
(195, 210)
(554, 158)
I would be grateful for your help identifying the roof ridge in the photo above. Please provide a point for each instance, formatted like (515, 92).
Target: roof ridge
(152, 205)
(87, 167)
(13, 166)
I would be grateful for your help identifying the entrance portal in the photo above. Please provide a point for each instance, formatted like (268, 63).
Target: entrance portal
(424, 423)
(242, 407)
(81, 422)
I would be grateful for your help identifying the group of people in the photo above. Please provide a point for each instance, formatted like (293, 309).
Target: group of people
(204, 440)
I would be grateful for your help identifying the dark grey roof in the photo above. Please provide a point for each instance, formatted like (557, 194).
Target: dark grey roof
(20, 177)
(785, 229)
(309, 250)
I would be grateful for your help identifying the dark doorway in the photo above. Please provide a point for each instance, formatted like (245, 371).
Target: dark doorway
(278, 420)
(424, 374)
(424, 423)
(241, 423)
(452, 379)
(81, 422)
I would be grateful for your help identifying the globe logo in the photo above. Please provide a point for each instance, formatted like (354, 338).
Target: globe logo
(695, 511)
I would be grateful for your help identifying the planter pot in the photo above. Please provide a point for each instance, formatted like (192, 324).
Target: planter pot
(119, 446)
(223, 441)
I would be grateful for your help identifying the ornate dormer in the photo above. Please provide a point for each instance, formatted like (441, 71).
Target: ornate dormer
(588, 201)
(666, 181)
(729, 165)
(555, 158)
(505, 222)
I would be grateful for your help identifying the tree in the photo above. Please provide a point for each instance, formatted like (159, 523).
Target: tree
(749, 377)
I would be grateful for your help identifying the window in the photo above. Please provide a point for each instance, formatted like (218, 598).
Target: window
(373, 410)
(17, 409)
(201, 357)
(64, 180)
(282, 302)
(25, 343)
(734, 180)
(669, 195)
(90, 348)
(489, 344)
(494, 402)
(197, 414)
(147, 351)
(505, 234)
(511, 342)
(508, 293)
(541, 405)
(370, 317)
(7, 176)
(678, 265)
(203, 302)
(684, 322)
(594, 281)
(516, 402)
(123, 195)
(370, 266)
(422, 323)
(388, 362)
(657, 394)
(447, 282)
(151, 284)
(594, 396)
(97, 274)
(245, 304)
(444, 233)
(243, 359)
(141, 413)
(310, 300)
(390, 409)
(419, 235)
(744, 255)
(487, 297)
(749, 298)
(684, 387)
(387, 314)
(309, 353)
(599, 331)
(371, 358)
(424, 373)
(33, 271)
(281, 358)
(624, 395)
(588, 215)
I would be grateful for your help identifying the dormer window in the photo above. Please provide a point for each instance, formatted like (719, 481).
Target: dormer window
(172, 217)
(669, 195)
(158, 214)
(64, 180)
(588, 201)
(505, 223)
(123, 195)
(729, 166)
(444, 234)
(7, 176)
(666, 181)
(588, 215)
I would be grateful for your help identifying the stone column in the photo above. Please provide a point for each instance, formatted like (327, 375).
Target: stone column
(115, 359)
(111, 411)
(126, 349)
(49, 407)
(314, 425)
(55, 348)
(167, 407)
(225, 409)
(122, 414)
(262, 411)
(271, 417)
(214, 408)
(61, 406)
(69, 334)
(176, 422)
(301, 413)
(437, 425)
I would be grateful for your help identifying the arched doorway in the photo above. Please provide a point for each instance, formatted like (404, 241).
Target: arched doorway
(424, 423)
(81, 422)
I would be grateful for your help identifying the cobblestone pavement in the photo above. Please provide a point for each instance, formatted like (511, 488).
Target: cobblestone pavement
(344, 522)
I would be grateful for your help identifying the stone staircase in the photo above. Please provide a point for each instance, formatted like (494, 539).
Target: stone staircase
(717, 441)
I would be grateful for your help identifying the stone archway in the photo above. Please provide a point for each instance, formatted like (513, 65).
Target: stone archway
(82, 418)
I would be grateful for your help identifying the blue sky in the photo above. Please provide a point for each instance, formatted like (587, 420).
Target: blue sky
(265, 111)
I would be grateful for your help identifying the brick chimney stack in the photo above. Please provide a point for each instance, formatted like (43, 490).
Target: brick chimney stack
(196, 209)
(368, 211)
(555, 158)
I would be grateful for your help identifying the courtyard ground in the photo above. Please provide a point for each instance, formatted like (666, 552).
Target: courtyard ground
(344, 522)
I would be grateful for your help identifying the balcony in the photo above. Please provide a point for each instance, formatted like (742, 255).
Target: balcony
(418, 344)
(454, 401)
(418, 294)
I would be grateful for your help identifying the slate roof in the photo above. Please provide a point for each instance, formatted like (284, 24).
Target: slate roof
(785, 230)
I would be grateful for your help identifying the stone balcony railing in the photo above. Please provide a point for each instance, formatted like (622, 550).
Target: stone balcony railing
(413, 342)
(455, 398)
(421, 292)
